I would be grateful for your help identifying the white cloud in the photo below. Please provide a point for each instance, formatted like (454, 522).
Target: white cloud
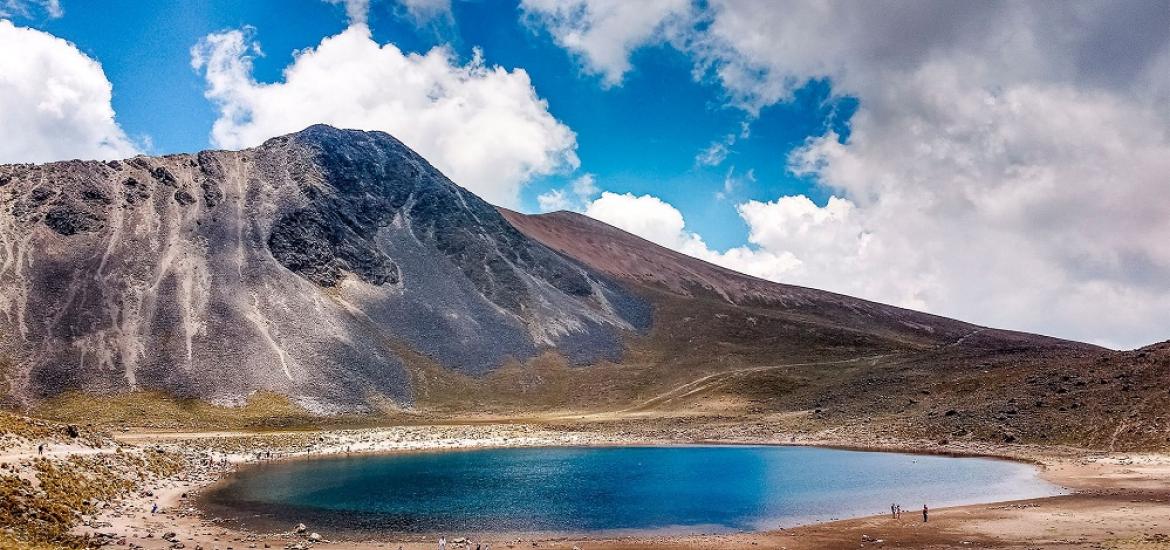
(553, 200)
(731, 182)
(1007, 163)
(717, 152)
(423, 11)
(26, 8)
(605, 32)
(358, 11)
(661, 223)
(55, 99)
(573, 197)
(584, 187)
(482, 125)
(646, 216)
(713, 155)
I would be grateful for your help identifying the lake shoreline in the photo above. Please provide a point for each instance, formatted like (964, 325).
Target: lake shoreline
(254, 497)
(1099, 480)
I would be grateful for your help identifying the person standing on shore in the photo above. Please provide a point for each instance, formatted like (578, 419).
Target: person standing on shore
(442, 543)
(925, 512)
(894, 511)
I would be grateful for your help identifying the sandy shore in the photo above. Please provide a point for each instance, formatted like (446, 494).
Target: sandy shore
(1119, 500)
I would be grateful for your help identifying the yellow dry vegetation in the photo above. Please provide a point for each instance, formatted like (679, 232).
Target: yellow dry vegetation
(40, 512)
(155, 409)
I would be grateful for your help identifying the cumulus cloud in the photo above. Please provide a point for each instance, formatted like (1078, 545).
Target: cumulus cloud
(483, 126)
(1007, 163)
(554, 200)
(646, 216)
(574, 197)
(603, 33)
(661, 223)
(55, 100)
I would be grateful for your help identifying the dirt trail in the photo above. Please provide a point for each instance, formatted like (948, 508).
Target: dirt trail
(52, 451)
(705, 382)
(700, 384)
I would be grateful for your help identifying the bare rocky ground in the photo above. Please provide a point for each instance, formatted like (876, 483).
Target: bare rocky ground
(1119, 500)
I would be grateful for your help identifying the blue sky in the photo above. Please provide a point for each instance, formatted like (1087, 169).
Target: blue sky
(632, 138)
(998, 162)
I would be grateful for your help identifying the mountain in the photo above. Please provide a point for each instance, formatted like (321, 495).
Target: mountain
(642, 264)
(340, 269)
(302, 267)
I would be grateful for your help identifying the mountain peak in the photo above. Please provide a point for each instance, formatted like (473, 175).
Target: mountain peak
(305, 267)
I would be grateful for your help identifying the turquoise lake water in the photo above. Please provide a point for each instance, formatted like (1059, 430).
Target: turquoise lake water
(607, 490)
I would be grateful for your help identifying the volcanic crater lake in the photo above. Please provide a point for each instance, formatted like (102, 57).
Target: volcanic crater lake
(606, 490)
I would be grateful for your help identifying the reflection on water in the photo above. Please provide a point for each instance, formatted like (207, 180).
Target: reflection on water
(674, 489)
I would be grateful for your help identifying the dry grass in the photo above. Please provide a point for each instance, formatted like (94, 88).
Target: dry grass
(27, 428)
(151, 409)
(40, 512)
(8, 542)
(17, 430)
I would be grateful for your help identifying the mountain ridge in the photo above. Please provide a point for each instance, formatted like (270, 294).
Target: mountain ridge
(631, 258)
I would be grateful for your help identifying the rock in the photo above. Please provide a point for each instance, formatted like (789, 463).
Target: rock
(315, 537)
(184, 198)
(135, 192)
(69, 220)
(164, 176)
(212, 194)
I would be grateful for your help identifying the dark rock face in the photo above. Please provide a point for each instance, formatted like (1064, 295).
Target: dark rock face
(184, 198)
(374, 178)
(474, 290)
(325, 250)
(299, 267)
(68, 220)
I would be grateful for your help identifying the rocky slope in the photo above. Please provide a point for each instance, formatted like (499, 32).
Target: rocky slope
(340, 269)
(304, 267)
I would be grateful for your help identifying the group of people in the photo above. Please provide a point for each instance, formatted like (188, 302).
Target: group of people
(443, 545)
(896, 512)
